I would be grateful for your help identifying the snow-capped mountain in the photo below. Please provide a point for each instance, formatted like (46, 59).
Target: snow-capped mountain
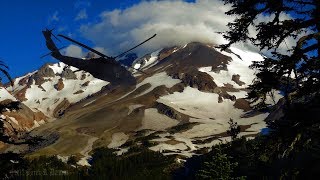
(181, 104)
(54, 87)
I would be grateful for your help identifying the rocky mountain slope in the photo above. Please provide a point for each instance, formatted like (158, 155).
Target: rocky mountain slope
(181, 104)
(54, 87)
(17, 122)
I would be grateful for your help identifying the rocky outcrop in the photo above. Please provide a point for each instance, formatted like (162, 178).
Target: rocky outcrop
(83, 76)
(21, 94)
(45, 71)
(196, 79)
(170, 112)
(20, 121)
(59, 86)
(38, 79)
(61, 108)
(79, 92)
(68, 74)
(166, 52)
(85, 84)
(242, 104)
(236, 79)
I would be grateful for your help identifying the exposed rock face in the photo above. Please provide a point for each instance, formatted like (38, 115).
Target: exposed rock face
(21, 95)
(85, 84)
(143, 60)
(24, 80)
(78, 92)
(54, 82)
(18, 122)
(196, 79)
(68, 74)
(166, 52)
(83, 76)
(61, 108)
(236, 79)
(59, 86)
(45, 71)
(225, 95)
(196, 55)
(242, 104)
(193, 115)
(170, 112)
(38, 79)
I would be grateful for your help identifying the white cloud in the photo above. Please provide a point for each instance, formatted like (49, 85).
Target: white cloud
(175, 22)
(82, 4)
(76, 51)
(73, 51)
(81, 15)
(54, 17)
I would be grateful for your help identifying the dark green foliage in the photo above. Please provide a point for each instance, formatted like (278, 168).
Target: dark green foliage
(10, 163)
(182, 127)
(219, 166)
(303, 58)
(234, 129)
(11, 106)
(137, 164)
(290, 151)
(4, 69)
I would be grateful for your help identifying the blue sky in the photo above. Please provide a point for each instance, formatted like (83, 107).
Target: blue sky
(21, 40)
(113, 25)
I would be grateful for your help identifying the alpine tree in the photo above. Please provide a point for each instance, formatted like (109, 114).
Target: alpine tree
(3, 69)
(296, 71)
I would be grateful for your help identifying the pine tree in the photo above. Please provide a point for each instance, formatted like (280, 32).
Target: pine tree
(4, 69)
(302, 59)
(11, 106)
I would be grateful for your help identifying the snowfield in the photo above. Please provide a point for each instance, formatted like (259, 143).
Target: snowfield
(157, 80)
(5, 95)
(118, 139)
(147, 63)
(156, 121)
(236, 66)
(46, 98)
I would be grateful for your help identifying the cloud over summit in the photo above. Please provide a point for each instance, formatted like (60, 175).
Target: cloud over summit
(175, 22)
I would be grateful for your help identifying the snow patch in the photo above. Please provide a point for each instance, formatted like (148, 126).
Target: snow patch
(176, 148)
(156, 121)
(85, 152)
(45, 99)
(156, 80)
(5, 95)
(118, 139)
(236, 66)
(152, 61)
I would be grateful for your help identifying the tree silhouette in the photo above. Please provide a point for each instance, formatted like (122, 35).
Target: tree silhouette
(4, 69)
(302, 59)
(3, 107)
